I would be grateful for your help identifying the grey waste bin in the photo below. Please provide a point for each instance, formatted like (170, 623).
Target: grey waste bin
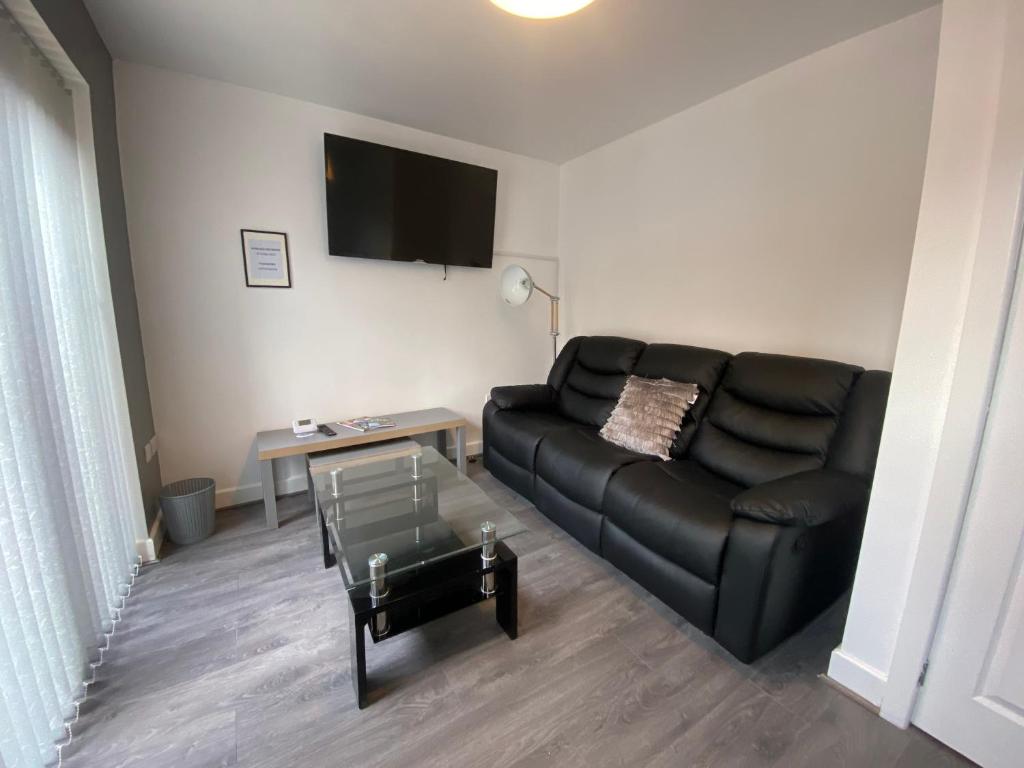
(188, 509)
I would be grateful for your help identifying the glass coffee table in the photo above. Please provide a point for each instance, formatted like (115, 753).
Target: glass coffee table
(414, 539)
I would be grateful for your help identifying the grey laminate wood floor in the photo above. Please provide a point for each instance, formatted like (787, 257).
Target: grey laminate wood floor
(234, 652)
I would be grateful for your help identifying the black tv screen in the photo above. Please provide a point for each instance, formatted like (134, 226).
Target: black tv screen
(388, 203)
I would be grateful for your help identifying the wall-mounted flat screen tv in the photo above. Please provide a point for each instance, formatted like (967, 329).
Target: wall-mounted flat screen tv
(388, 203)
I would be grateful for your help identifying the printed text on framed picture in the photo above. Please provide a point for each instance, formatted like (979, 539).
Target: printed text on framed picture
(265, 257)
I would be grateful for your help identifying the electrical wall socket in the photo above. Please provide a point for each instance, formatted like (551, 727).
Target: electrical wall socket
(150, 449)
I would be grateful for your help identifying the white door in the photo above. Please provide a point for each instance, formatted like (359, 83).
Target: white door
(973, 693)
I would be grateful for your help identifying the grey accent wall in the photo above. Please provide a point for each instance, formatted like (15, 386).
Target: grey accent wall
(70, 23)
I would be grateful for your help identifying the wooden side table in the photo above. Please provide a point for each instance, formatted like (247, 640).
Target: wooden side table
(280, 443)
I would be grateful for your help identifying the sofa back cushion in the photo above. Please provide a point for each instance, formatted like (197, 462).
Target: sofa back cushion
(772, 416)
(693, 365)
(855, 447)
(592, 376)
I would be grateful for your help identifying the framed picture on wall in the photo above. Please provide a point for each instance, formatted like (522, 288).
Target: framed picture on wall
(265, 256)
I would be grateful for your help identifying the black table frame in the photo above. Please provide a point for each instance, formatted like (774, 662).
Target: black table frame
(420, 595)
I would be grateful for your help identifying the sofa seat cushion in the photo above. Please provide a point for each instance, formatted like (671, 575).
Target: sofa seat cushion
(516, 434)
(579, 463)
(677, 509)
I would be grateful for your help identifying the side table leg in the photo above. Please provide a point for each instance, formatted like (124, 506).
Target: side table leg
(460, 449)
(506, 603)
(357, 650)
(269, 491)
(439, 442)
(329, 558)
(311, 489)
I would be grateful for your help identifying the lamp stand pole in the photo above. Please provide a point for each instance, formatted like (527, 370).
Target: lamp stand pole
(554, 320)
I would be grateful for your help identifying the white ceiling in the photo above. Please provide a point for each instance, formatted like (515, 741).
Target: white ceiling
(549, 89)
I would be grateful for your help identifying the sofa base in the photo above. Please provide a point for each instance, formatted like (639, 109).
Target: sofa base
(690, 596)
(581, 523)
(511, 474)
(752, 610)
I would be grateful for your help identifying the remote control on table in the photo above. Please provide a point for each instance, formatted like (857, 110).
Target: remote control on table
(327, 430)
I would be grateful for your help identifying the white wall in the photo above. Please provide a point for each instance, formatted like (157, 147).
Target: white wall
(957, 298)
(778, 216)
(203, 159)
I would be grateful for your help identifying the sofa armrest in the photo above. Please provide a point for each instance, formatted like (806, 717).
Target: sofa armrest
(776, 578)
(523, 397)
(805, 499)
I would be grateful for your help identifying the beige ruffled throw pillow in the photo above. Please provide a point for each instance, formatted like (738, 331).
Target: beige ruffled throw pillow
(649, 414)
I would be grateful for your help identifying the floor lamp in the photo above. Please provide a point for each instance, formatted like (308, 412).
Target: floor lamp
(517, 287)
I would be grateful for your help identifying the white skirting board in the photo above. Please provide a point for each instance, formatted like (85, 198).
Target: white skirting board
(857, 676)
(244, 494)
(149, 549)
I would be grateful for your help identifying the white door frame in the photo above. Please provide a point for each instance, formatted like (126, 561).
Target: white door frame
(993, 278)
(943, 522)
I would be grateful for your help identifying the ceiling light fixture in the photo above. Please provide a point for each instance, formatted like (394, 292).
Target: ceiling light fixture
(542, 9)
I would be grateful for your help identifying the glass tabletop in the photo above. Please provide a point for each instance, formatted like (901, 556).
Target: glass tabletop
(417, 509)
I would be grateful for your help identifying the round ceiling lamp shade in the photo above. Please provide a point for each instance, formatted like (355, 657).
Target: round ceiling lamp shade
(516, 285)
(542, 9)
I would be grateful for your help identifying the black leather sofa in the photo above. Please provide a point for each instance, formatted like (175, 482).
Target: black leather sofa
(753, 527)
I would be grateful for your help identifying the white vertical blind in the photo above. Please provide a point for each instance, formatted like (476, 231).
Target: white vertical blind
(66, 543)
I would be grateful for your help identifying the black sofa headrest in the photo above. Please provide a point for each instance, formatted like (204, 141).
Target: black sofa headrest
(590, 374)
(696, 365)
(773, 416)
(798, 385)
(609, 354)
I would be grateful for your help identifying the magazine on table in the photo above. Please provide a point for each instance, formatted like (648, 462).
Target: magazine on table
(368, 423)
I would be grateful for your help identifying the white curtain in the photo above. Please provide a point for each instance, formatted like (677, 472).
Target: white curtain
(66, 544)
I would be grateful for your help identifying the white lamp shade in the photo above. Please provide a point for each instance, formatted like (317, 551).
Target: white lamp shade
(516, 285)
